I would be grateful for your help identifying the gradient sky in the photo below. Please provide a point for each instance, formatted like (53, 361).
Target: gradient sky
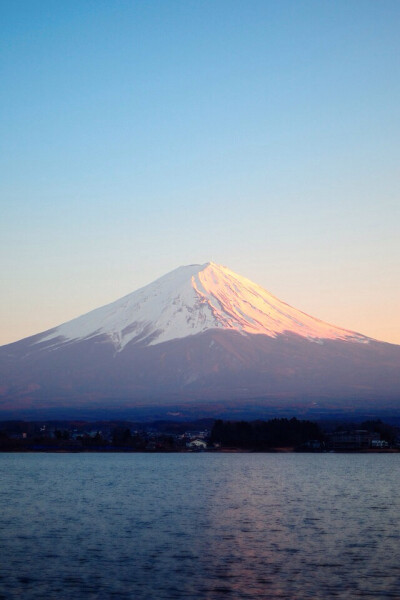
(139, 136)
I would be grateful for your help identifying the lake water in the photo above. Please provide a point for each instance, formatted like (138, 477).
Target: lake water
(199, 526)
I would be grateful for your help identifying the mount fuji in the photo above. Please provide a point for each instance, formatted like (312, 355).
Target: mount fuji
(201, 337)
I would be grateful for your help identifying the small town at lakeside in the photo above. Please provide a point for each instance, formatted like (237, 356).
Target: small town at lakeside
(275, 435)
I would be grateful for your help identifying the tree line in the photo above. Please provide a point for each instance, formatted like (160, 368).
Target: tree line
(264, 434)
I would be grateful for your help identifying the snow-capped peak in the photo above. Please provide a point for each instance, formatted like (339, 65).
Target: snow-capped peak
(193, 299)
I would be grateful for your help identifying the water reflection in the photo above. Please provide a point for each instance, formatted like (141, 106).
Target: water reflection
(200, 526)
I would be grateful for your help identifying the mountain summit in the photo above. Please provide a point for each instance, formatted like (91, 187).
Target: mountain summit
(201, 337)
(191, 300)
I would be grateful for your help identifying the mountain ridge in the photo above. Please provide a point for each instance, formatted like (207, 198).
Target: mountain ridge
(200, 334)
(190, 300)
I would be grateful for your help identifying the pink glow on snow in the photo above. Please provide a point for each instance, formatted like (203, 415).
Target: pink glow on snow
(240, 304)
(191, 300)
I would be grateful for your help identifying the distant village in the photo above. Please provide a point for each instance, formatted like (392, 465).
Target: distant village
(206, 435)
(101, 437)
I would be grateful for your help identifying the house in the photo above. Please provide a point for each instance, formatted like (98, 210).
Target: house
(353, 440)
(196, 444)
(312, 445)
(379, 444)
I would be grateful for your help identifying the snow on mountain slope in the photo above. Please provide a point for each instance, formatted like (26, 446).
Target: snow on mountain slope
(191, 300)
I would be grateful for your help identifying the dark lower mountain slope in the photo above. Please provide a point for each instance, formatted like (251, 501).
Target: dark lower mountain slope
(212, 367)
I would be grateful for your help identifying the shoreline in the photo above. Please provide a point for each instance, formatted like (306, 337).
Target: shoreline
(281, 450)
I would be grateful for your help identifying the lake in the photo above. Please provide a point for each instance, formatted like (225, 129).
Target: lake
(199, 526)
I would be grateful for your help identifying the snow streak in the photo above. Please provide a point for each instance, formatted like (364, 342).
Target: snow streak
(191, 300)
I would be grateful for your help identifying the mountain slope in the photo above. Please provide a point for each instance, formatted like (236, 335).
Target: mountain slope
(199, 334)
(192, 300)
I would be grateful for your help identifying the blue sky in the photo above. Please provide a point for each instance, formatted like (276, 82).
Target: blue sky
(139, 136)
